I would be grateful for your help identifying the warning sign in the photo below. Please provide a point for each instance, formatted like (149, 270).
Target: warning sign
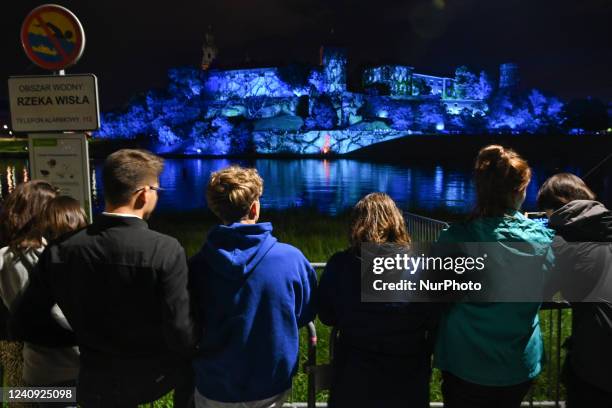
(52, 37)
(62, 160)
(54, 103)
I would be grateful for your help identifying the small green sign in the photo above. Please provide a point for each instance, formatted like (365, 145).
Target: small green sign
(45, 142)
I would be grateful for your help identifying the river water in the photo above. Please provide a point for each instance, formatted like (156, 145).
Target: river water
(328, 185)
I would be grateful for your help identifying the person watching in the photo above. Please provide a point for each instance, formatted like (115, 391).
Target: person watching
(383, 354)
(22, 244)
(253, 294)
(490, 352)
(123, 290)
(583, 276)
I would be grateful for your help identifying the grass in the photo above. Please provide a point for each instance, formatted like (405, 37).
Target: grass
(319, 236)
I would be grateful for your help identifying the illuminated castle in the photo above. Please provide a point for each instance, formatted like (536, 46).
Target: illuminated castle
(330, 77)
(308, 109)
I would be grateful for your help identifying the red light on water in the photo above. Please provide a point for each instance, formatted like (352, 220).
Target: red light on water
(327, 145)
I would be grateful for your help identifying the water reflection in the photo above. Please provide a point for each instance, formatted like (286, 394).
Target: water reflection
(329, 185)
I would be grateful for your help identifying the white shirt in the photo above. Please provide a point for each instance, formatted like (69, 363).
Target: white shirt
(120, 215)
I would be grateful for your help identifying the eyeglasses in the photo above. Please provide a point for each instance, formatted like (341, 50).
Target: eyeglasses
(154, 188)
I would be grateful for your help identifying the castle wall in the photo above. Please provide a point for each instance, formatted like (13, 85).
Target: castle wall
(396, 77)
(334, 70)
(245, 83)
(253, 107)
(437, 84)
(318, 141)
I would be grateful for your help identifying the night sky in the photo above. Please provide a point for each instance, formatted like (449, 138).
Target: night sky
(562, 46)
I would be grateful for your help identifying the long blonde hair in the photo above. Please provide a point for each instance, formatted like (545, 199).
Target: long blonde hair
(376, 219)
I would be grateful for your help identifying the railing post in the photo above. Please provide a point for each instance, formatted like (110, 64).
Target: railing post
(555, 325)
(559, 363)
(550, 353)
(310, 365)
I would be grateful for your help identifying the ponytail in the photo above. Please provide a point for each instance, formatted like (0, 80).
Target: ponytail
(500, 175)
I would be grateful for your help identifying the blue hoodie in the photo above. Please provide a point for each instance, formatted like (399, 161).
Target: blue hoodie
(252, 295)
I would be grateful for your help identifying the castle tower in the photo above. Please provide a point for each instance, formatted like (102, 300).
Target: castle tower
(508, 76)
(209, 50)
(334, 61)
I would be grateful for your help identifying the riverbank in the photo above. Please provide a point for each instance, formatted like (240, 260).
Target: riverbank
(442, 147)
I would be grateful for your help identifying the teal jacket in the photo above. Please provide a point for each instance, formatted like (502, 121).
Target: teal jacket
(496, 344)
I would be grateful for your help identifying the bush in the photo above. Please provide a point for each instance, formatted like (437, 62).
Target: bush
(323, 114)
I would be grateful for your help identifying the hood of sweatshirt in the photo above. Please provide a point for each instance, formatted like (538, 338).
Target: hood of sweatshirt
(583, 220)
(514, 233)
(233, 251)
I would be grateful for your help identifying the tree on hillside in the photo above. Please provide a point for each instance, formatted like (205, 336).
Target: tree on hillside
(420, 87)
(185, 82)
(483, 89)
(471, 86)
(465, 82)
(323, 115)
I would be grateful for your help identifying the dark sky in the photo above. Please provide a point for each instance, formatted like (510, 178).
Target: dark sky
(562, 46)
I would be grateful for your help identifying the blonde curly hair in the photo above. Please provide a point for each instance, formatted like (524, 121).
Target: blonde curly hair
(232, 191)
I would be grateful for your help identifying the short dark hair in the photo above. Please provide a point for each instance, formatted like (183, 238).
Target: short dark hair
(127, 170)
(562, 188)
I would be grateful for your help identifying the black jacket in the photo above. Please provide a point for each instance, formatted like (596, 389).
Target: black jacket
(383, 355)
(583, 255)
(123, 289)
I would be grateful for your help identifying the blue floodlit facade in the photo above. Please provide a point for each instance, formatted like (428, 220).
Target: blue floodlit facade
(310, 111)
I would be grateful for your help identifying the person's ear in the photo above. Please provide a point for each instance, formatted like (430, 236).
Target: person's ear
(253, 210)
(140, 201)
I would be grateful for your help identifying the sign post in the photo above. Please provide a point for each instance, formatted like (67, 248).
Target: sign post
(53, 38)
(63, 161)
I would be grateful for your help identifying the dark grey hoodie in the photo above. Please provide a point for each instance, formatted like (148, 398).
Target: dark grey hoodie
(583, 252)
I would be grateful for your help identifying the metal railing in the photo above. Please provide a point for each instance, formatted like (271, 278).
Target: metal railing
(553, 313)
(319, 376)
(423, 229)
